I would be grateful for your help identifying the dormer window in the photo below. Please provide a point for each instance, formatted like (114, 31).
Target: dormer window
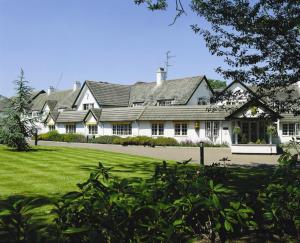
(88, 106)
(137, 104)
(164, 102)
(202, 101)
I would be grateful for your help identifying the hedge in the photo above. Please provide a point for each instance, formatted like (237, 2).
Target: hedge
(139, 140)
(55, 136)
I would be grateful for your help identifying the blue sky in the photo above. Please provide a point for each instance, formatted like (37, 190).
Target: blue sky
(114, 41)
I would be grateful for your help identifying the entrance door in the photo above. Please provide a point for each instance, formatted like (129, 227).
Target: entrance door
(253, 132)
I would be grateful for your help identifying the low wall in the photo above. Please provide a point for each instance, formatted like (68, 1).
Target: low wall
(254, 149)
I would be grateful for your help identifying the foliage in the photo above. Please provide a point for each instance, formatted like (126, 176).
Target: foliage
(104, 139)
(237, 130)
(271, 130)
(16, 126)
(217, 84)
(55, 136)
(258, 40)
(177, 204)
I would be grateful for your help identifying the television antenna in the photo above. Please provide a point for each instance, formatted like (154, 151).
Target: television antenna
(59, 80)
(167, 62)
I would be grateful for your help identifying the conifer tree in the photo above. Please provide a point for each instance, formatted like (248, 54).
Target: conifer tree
(16, 126)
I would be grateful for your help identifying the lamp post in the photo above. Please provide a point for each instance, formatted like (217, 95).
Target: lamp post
(201, 153)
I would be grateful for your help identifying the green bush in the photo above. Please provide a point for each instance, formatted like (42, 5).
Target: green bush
(165, 141)
(50, 136)
(104, 139)
(55, 136)
(73, 137)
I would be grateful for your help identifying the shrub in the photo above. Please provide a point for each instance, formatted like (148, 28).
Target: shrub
(73, 137)
(55, 136)
(50, 136)
(104, 139)
(163, 141)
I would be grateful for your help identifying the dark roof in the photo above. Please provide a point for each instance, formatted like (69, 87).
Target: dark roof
(178, 90)
(177, 113)
(108, 94)
(289, 117)
(63, 98)
(121, 114)
(71, 116)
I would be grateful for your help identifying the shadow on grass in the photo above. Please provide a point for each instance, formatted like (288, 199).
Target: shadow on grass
(31, 150)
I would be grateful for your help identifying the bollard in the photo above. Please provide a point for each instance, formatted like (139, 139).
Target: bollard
(36, 137)
(201, 153)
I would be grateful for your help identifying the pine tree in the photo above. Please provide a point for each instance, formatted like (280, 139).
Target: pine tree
(16, 127)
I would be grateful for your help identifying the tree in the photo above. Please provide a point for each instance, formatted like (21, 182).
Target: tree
(16, 127)
(259, 41)
(217, 84)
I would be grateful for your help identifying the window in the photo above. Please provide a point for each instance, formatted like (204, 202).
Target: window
(93, 129)
(212, 128)
(70, 128)
(164, 102)
(298, 129)
(88, 106)
(137, 104)
(180, 129)
(51, 128)
(288, 129)
(122, 129)
(202, 101)
(158, 129)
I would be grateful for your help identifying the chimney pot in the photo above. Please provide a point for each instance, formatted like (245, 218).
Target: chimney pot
(161, 76)
(77, 85)
(50, 90)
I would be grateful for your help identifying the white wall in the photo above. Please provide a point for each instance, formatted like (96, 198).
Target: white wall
(86, 97)
(201, 92)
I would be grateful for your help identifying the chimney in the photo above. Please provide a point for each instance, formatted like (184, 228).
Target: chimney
(50, 90)
(76, 85)
(161, 76)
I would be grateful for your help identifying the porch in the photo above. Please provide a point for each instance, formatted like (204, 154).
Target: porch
(252, 136)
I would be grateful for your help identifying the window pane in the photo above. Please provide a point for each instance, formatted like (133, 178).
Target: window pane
(177, 129)
(184, 129)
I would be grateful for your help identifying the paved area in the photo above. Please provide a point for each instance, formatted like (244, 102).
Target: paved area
(212, 155)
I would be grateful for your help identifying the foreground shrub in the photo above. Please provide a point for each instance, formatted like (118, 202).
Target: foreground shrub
(178, 204)
(55, 136)
(50, 136)
(104, 139)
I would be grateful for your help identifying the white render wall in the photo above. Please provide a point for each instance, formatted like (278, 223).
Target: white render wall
(201, 92)
(86, 97)
(143, 128)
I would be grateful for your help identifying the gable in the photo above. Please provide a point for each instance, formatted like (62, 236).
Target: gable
(85, 97)
(90, 119)
(254, 109)
(202, 91)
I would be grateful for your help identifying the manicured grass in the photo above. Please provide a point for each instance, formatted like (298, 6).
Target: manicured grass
(56, 170)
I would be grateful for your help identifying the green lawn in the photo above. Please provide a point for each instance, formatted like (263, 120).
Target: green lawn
(56, 170)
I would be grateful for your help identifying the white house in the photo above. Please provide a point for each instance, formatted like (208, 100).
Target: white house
(181, 108)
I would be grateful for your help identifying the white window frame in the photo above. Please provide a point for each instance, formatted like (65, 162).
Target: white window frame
(157, 129)
(93, 129)
(212, 129)
(290, 129)
(167, 102)
(134, 104)
(202, 101)
(180, 129)
(122, 129)
(87, 106)
(70, 128)
(51, 128)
